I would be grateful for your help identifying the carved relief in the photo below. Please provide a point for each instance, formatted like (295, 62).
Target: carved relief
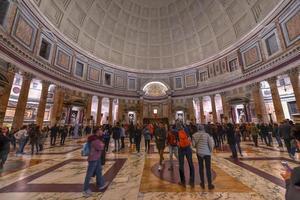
(251, 56)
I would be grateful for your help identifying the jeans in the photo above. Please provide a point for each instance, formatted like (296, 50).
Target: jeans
(147, 146)
(207, 160)
(138, 144)
(238, 145)
(188, 153)
(94, 167)
(278, 139)
(173, 150)
(22, 143)
(62, 140)
(106, 143)
(36, 145)
(233, 150)
(117, 144)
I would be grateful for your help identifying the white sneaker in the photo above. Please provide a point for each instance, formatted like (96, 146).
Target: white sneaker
(104, 186)
(87, 193)
(159, 168)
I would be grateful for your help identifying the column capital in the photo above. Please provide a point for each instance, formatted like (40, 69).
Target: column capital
(254, 85)
(293, 71)
(11, 68)
(224, 93)
(272, 80)
(27, 76)
(46, 83)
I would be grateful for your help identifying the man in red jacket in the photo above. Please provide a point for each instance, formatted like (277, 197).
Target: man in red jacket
(94, 163)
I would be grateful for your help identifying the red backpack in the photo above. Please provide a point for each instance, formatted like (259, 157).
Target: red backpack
(172, 139)
(183, 139)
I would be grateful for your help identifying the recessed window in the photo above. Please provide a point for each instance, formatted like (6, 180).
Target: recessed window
(45, 49)
(4, 4)
(203, 76)
(178, 82)
(107, 79)
(79, 69)
(271, 44)
(131, 84)
(233, 65)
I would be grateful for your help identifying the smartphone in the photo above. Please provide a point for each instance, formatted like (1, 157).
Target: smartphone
(286, 166)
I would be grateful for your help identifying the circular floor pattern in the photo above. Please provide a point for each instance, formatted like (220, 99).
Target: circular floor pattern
(172, 176)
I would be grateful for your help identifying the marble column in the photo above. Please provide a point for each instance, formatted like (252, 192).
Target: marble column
(22, 102)
(4, 98)
(42, 103)
(170, 110)
(99, 111)
(57, 102)
(190, 109)
(88, 112)
(213, 107)
(276, 99)
(202, 116)
(294, 78)
(225, 106)
(110, 116)
(259, 105)
(140, 111)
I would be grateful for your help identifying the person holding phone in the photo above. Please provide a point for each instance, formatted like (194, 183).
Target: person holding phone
(292, 176)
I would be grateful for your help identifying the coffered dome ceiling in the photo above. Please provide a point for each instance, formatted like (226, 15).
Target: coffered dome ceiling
(155, 34)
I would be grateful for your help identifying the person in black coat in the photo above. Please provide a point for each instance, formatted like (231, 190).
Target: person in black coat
(4, 145)
(116, 135)
(53, 134)
(63, 134)
(231, 139)
(138, 137)
(292, 176)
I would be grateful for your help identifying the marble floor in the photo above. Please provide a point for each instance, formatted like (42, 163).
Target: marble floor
(58, 173)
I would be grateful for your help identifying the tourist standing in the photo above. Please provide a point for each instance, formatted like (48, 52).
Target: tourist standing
(131, 131)
(138, 138)
(172, 141)
(185, 150)
(238, 138)
(21, 137)
(42, 138)
(106, 137)
(231, 139)
(116, 135)
(276, 134)
(94, 163)
(204, 145)
(63, 134)
(160, 136)
(147, 137)
(285, 132)
(33, 138)
(254, 132)
(53, 134)
(4, 145)
(123, 135)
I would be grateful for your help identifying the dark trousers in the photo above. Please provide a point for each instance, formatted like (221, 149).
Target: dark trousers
(131, 139)
(266, 139)
(138, 144)
(117, 144)
(62, 140)
(106, 144)
(255, 140)
(36, 145)
(238, 145)
(52, 140)
(287, 143)
(187, 152)
(207, 160)
(122, 142)
(278, 139)
(147, 145)
(233, 150)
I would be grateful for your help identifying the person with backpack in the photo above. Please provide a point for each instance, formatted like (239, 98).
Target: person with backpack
(160, 136)
(172, 143)
(147, 137)
(96, 147)
(185, 150)
(204, 145)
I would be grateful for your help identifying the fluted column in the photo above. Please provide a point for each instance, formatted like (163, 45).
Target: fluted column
(170, 113)
(99, 111)
(22, 102)
(259, 106)
(202, 116)
(42, 103)
(294, 78)
(4, 97)
(88, 112)
(225, 106)
(213, 107)
(57, 104)
(276, 99)
(110, 117)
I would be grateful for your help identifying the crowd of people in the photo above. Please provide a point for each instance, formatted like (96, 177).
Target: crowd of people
(179, 137)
